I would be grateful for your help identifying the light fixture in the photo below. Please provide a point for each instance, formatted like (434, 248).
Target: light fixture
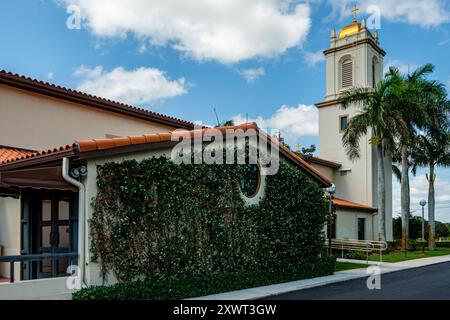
(78, 172)
(331, 189)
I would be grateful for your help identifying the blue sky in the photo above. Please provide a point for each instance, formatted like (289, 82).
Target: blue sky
(260, 59)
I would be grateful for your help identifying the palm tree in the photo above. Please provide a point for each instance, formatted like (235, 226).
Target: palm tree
(434, 153)
(378, 115)
(416, 93)
(433, 147)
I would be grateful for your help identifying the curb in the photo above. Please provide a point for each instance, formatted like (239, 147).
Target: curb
(340, 276)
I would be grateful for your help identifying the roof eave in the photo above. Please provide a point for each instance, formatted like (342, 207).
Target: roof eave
(58, 92)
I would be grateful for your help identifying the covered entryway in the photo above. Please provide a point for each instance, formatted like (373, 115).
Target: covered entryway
(48, 217)
(49, 226)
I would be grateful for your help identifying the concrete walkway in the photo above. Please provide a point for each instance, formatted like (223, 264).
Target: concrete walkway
(276, 289)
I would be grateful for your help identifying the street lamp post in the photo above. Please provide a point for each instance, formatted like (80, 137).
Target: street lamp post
(423, 203)
(331, 191)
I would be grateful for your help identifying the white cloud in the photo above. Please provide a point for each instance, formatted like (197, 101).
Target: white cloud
(404, 67)
(50, 76)
(228, 31)
(251, 75)
(419, 190)
(313, 58)
(138, 86)
(292, 122)
(428, 13)
(444, 42)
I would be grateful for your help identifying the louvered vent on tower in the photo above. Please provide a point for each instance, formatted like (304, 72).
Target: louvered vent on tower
(347, 74)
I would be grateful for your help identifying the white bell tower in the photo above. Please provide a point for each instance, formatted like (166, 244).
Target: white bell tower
(354, 59)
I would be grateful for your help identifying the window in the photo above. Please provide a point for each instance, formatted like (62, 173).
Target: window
(343, 123)
(347, 74)
(250, 181)
(361, 229)
(374, 72)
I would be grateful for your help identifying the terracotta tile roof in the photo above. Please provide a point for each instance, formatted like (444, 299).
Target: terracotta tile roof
(55, 91)
(11, 153)
(104, 144)
(20, 155)
(95, 145)
(344, 204)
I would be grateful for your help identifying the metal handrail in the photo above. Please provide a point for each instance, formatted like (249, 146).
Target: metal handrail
(34, 257)
(366, 246)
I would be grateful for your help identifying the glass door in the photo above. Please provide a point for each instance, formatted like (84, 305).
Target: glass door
(54, 235)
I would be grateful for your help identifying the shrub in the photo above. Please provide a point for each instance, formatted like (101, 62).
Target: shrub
(187, 287)
(415, 228)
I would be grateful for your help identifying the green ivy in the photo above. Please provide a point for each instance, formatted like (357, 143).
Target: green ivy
(155, 220)
(201, 285)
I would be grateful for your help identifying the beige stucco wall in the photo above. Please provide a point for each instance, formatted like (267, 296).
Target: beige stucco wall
(326, 171)
(37, 122)
(347, 224)
(9, 233)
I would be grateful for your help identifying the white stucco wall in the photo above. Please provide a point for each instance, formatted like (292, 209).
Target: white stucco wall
(347, 224)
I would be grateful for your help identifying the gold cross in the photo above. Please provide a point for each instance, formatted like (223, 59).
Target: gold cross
(355, 10)
(298, 145)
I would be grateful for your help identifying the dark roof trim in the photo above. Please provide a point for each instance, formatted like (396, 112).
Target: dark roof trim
(324, 182)
(329, 103)
(322, 162)
(368, 41)
(38, 160)
(51, 90)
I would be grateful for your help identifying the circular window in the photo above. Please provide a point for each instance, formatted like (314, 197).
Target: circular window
(250, 181)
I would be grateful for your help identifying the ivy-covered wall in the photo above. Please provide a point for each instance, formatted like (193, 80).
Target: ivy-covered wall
(155, 219)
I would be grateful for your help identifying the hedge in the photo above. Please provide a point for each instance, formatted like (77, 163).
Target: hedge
(154, 220)
(206, 284)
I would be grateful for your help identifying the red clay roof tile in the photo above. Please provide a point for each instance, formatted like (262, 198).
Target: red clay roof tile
(138, 140)
(18, 154)
(341, 203)
(83, 146)
(8, 153)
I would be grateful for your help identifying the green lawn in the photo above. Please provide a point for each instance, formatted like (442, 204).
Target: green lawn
(410, 255)
(341, 266)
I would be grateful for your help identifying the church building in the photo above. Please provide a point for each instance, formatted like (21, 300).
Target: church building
(354, 59)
